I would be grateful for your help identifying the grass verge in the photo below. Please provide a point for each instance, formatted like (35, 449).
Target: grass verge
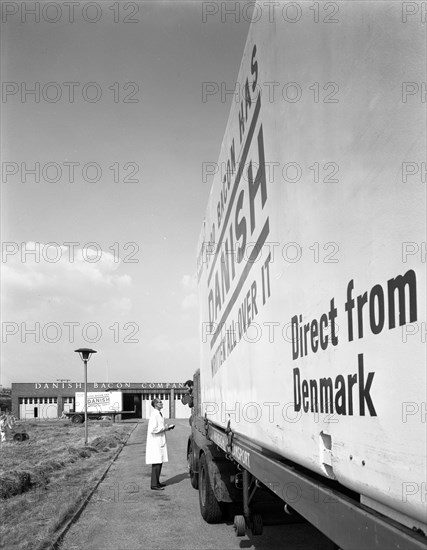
(44, 479)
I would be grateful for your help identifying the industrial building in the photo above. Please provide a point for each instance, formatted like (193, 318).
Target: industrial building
(44, 400)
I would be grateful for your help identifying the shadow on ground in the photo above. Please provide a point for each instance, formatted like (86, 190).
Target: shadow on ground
(177, 479)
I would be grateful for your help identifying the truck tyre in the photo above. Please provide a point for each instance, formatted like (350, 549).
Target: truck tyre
(209, 506)
(194, 478)
(77, 419)
(239, 526)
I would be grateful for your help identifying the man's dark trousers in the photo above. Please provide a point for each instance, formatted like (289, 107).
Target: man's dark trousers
(155, 474)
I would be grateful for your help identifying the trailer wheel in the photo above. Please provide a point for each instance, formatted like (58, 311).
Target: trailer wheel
(257, 524)
(239, 526)
(194, 478)
(77, 419)
(209, 506)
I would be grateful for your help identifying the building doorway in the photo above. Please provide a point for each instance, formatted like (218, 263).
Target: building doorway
(132, 401)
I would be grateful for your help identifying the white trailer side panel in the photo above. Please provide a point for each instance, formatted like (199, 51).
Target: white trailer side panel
(314, 348)
(99, 401)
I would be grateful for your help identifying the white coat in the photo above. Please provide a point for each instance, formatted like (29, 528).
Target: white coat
(156, 450)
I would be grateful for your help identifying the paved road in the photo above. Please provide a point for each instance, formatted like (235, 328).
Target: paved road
(124, 514)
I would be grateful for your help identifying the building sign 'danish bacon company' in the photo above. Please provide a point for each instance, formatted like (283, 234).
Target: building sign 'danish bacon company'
(108, 385)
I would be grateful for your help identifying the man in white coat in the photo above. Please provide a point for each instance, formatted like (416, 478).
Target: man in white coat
(156, 449)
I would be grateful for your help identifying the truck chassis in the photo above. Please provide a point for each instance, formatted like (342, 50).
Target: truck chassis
(227, 468)
(79, 417)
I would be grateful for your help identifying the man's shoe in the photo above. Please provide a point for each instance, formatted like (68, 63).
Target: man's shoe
(157, 488)
(161, 485)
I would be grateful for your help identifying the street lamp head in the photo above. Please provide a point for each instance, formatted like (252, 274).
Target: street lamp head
(85, 353)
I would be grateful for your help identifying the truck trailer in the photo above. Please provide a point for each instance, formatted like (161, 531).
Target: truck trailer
(312, 278)
(99, 404)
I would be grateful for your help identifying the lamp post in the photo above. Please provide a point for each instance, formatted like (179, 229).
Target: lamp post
(85, 355)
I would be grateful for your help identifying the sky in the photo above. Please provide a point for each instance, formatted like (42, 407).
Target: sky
(105, 134)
